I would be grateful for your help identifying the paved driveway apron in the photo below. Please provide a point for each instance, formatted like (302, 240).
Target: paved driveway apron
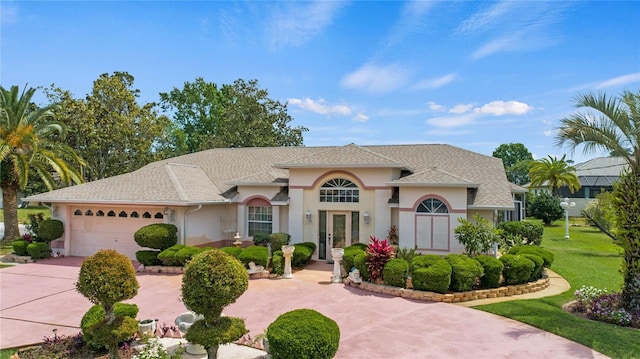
(36, 298)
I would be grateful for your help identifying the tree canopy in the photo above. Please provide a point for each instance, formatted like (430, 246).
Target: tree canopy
(553, 173)
(516, 159)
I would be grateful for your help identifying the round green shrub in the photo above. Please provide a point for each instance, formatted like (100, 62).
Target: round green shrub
(395, 273)
(107, 335)
(185, 254)
(546, 255)
(517, 269)
(539, 265)
(261, 239)
(212, 280)
(362, 246)
(311, 246)
(277, 263)
(157, 236)
(256, 254)
(168, 256)
(529, 232)
(279, 239)
(360, 262)
(347, 259)
(148, 258)
(465, 272)
(232, 251)
(301, 256)
(424, 261)
(492, 271)
(96, 314)
(107, 277)
(435, 278)
(38, 250)
(222, 330)
(20, 247)
(303, 334)
(50, 229)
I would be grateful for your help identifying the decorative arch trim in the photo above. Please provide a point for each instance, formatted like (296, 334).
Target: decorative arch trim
(336, 173)
(257, 201)
(438, 197)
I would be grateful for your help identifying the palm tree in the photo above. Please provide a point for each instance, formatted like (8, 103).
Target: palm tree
(30, 141)
(613, 124)
(554, 173)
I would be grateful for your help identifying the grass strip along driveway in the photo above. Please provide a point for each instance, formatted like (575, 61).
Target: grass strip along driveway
(589, 258)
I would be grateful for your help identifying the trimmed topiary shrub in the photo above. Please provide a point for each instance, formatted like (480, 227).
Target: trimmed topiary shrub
(111, 333)
(546, 255)
(539, 265)
(492, 271)
(50, 229)
(347, 259)
(148, 258)
(256, 254)
(435, 278)
(168, 256)
(424, 261)
(517, 269)
(465, 272)
(278, 240)
(222, 331)
(20, 247)
(303, 334)
(96, 315)
(185, 254)
(362, 246)
(261, 239)
(157, 236)
(301, 256)
(277, 263)
(38, 250)
(232, 251)
(360, 262)
(529, 232)
(395, 273)
(310, 245)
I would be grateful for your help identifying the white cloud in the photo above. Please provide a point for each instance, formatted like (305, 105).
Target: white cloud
(434, 106)
(549, 132)
(499, 108)
(500, 44)
(377, 79)
(435, 83)
(452, 121)
(620, 80)
(320, 106)
(484, 19)
(361, 117)
(296, 23)
(461, 108)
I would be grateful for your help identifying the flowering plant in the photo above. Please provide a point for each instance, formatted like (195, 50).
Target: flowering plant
(606, 308)
(585, 295)
(378, 253)
(28, 237)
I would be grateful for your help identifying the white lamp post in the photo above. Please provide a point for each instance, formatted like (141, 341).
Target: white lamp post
(565, 204)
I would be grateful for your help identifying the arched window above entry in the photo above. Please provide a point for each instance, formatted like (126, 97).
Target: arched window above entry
(432, 205)
(339, 190)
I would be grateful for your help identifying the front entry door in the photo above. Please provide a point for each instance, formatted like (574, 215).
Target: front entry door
(338, 231)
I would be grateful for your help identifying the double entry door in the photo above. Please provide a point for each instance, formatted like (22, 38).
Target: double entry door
(337, 229)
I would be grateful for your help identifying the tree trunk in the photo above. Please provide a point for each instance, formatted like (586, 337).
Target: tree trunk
(212, 353)
(10, 209)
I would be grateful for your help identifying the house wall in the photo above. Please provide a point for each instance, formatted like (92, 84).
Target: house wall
(207, 224)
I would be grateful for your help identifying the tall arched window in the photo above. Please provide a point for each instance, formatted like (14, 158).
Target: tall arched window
(433, 225)
(339, 190)
(432, 205)
(259, 217)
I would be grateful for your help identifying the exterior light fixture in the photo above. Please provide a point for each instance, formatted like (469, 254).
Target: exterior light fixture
(308, 215)
(367, 218)
(565, 204)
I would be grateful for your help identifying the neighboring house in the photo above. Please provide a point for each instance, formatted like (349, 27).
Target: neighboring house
(331, 196)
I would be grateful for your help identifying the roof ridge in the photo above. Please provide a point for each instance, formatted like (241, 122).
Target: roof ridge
(176, 183)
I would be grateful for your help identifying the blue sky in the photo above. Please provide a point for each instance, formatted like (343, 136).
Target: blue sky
(465, 73)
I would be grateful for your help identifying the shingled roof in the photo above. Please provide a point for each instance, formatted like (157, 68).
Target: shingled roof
(210, 176)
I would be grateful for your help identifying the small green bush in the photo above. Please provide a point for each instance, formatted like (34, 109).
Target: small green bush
(539, 265)
(435, 278)
(256, 254)
(492, 271)
(395, 273)
(96, 314)
(546, 255)
(223, 330)
(301, 256)
(261, 239)
(157, 236)
(185, 254)
(110, 335)
(279, 239)
(50, 229)
(546, 207)
(349, 254)
(517, 269)
(38, 250)
(360, 262)
(303, 334)
(530, 232)
(20, 247)
(465, 272)
(310, 245)
(277, 263)
(362, 246)
(232, 251)
(424, 261)
(168, 256)
(148, 258)
(407, 254)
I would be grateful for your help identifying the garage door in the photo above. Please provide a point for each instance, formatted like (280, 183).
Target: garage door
(93, 229)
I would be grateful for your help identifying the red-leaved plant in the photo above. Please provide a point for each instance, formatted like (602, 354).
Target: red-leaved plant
(379, 252)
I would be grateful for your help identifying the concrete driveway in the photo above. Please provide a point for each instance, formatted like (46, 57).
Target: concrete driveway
(36, 298)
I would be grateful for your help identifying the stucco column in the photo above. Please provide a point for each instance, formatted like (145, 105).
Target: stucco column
(336, 255)
(287, 253)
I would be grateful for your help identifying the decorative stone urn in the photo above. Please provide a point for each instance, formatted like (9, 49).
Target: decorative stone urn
(287, 253)
(336, 255)
(147, 327)
(184, 321)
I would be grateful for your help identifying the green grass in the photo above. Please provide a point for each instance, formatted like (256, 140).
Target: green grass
(588, 258)
(7, 353)
(24, 212)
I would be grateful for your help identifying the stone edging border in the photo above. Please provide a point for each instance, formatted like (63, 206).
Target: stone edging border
(180, 270)
(458, 297)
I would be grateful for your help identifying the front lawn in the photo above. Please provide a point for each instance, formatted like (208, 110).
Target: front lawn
(23, 213)
(588, 258)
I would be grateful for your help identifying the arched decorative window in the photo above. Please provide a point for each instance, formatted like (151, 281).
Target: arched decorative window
(111, 214)
(77, 212)
(135, 214)
(88, 213)
(159, 215)
(432, 205)
(146, 215)
(122, 214)
(339, 190)
(100, 213)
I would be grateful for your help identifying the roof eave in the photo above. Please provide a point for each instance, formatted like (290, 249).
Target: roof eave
(127, 202)
(427, 184)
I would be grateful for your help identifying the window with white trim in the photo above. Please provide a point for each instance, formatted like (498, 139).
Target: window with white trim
(259, 220)
(339, 190)
(432, 205)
